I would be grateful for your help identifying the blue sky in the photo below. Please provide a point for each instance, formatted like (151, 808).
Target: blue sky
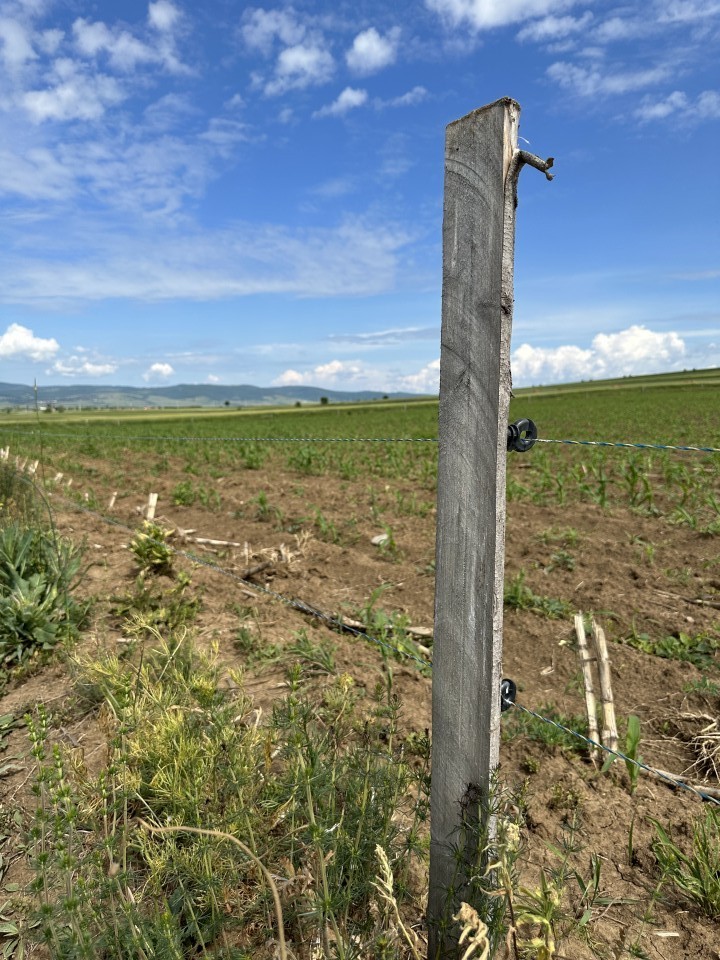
(231, 193)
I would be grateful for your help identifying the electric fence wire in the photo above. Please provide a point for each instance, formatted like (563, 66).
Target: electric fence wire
(675, 782)
(131, 438)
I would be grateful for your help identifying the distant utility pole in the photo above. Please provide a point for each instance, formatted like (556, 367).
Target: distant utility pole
(482, 163)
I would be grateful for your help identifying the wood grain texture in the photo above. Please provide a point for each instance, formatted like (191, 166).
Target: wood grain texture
(478, 241)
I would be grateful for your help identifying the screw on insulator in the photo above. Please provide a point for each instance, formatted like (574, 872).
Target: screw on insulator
(521, 435)
(508, 692)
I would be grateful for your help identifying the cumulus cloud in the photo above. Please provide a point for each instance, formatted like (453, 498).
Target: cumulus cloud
(75, 366)
(371, 51)
(19, 341)
(349, 99)
(300, 66)
(591, 82)
(262, 28)
(629, 352)
(163, 15)
(213, 378)
(345, 374)
(486, 14)
(74, 94)
(15, 46)
(426, 380)
(158, 371)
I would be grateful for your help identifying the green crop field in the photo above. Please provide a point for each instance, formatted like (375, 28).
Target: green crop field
(669, 409)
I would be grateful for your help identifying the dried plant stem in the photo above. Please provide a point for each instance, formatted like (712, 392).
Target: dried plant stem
(609, 733)
(586, 667)
(248, 852)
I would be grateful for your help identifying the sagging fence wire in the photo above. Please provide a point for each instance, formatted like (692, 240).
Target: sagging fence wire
(673, 781)
(131, 438)
(419, 663)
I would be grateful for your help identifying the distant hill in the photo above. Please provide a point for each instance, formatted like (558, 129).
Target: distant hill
(181, 395)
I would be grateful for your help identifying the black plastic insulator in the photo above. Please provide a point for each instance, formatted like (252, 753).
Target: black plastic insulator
(508, 692)
(521, 435)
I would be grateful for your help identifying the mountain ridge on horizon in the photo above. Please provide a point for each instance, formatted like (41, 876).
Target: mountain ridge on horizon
(181, 395)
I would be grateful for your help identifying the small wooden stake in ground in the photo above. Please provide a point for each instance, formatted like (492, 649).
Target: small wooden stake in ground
(113, 498)
(151, 505)
(609, 733)
(586, 667)
(481, 167)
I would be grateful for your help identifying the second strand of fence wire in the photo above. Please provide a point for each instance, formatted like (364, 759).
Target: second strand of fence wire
(620, 444)
(674, 781)
(293, 602)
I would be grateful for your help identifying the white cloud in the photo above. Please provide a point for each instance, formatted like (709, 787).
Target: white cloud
(89, 260)
(19, 341)
(213, 378)
(706, 106)
(371, 52)
(74, 95)
(16, 48)
(485, 14)
(158, 371)
(261, 28)
(616, 29)
(163, 15)
(426, 380)
(591, 82)
(629, 352)
(659, 109)
(76, 367)
(124, 50)
(328, 374)
(349, 99)
(554, 28)
(409, 99)
(301, 66)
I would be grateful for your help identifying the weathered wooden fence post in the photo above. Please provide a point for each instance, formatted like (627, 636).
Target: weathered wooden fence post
(481, 166)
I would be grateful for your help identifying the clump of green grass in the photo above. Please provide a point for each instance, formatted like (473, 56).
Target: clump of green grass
(693, 876)
(516, 723)
(390, 629)
(135, 861)
(519, 596)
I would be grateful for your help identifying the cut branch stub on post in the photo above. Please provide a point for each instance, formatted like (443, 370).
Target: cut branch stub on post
(481, 168)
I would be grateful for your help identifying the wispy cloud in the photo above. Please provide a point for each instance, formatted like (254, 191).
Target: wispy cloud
(486, 14)
(388, 337)
(86, 262)
(593, 81)
(409, 99)
(550, 29)
(705, 106)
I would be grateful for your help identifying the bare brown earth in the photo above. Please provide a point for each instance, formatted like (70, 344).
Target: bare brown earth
(632, 571)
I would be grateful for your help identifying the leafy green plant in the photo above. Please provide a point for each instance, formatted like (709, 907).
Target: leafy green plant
(391, 630)
(519, 724)
(630, 749)
(184, 494)
(693, 876)
(37, 607)
(699, 649)
(151, 549)
(147, 609)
